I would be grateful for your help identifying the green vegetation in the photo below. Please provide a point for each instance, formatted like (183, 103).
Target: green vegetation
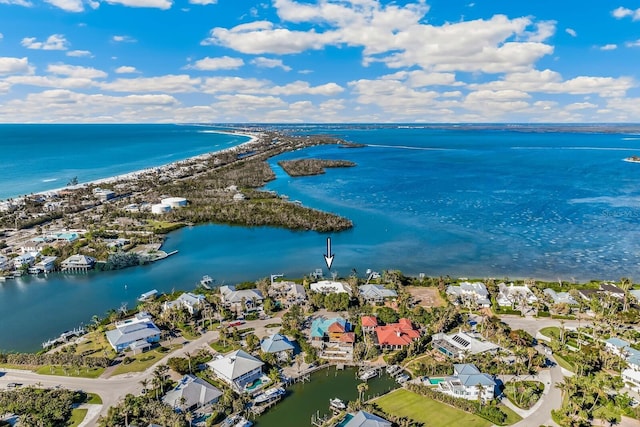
(306, 167)
(39, 407)
(403, 403)
(142, 410)
(224, 347)
(524, 394)
(142, 361)
(77, 416)
(93, 399)
(70, 371)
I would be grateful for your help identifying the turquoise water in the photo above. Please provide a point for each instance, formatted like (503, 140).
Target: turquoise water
(464, 202)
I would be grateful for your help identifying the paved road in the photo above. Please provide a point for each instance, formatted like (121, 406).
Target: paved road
(111, 390)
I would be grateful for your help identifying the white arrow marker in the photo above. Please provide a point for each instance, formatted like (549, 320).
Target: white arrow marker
(328, 257)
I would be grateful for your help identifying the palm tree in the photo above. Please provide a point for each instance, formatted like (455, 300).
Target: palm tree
(188, 354)
(362, 388)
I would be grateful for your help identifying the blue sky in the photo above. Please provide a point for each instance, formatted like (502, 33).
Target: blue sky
(319, 61)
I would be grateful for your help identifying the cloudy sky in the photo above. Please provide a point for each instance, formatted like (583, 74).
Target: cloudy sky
(319, 61)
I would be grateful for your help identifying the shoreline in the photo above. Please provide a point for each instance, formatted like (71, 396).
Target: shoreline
(128, 176)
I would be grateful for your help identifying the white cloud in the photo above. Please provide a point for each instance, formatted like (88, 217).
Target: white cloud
(24, 3)
(234, 84)
(67, 5)
(635, 43)
(263, 62)
(126, 70)
(623, 12)
(52, 81)
(1, 36)
(609, 47)
(123, 39)
(221, 63)
(203, 2)
(170, 83)
(79, 53)
(76, 71)
(580, 106)
(157, 4)
(9, 65)
(53, 42)
(304, 88)
(571, 32)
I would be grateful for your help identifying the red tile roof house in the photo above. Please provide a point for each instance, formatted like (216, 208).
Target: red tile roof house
(369, 323)
(395, 336)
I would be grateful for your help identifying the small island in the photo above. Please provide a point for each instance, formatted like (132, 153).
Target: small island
(308, 167)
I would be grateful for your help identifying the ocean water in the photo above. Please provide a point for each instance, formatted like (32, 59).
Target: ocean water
(467, 202)
(45, 157)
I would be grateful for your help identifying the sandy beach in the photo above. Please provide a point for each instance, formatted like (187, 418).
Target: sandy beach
(138, 173)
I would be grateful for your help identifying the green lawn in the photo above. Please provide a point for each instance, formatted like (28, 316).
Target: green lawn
(551, 332)
(563, 362)
(404, 403)
(93, 399)
(512, 417)
(69, 371)
(220, 348)
(77, 415)
(143, 361)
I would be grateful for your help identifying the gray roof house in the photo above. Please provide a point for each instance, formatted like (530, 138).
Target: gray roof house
(460, 343)
(78, 263)
(238, 369)
(475, 293)
(276, 343)
(233, 299)
(365, 419)
(376, 293)
(560, 297)
(135, 333)
(195, 391)
(189, 301)
(467, 382)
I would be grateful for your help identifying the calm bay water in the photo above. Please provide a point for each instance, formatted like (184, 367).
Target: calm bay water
(475, 203)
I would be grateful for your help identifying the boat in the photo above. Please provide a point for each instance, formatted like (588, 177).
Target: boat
(268, 395)
(336, 403)
(393, 369)
(369, 373)
(243, 422)
(633, 159)
(402, 378)
(206, 281)
(148, 295)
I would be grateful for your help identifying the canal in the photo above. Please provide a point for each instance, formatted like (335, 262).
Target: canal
(303, 400)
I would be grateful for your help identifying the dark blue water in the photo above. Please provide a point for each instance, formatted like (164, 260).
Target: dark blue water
(475, 203)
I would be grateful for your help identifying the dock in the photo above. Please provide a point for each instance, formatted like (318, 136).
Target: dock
(64, 337)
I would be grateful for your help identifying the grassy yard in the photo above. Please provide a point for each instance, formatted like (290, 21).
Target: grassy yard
(404, 403)
(512, 417)
(551, 332)
(93, 399)
(77, 415)
(95, 344)
(70, 371)
(220, 348)
(143, 361)
(564, 363)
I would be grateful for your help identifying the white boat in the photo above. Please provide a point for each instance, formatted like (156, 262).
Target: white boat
(269, 395)
(393, 369)
(206, 281)
(369, 373)
(148, 295)
(336, 403)
(403, 378)
(243, 422)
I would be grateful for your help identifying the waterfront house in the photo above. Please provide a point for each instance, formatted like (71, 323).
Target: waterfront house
(4, 263)
(330, 287)
(279, 345)
(514, 296)
(191, 393)
(611, 290)
(244, 300)
(461, 344)
(25, 259)
(77, 263)
(320, 327)
(296, 295)
(395, 336)
(466, 293)
(369, 323)
(560, 297)
(137, 333)
(46, 265)
(33, 246)
(366, 419)
(334, 338)
(238, 369)
(376, 294)
(467, 382)
(189, 301)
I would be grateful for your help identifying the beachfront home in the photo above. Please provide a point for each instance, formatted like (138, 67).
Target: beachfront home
(191, 393)
(78, 263)
(461, 344)
(238, 369)
(611, 290)
(560, 297)
(279, 345)
(189, 301)
(395, 336)
(330, 287)
(365, 419)
(244, 300)
(514, 296)
(474, 294)
(375, 294)
(25, 259)
(467, 382)
(46, 265)
(103, 194)
(137, 333)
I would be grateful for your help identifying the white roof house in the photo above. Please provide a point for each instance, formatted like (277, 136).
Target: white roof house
(195, 391)
(189, 301)
(137, 332)
(331, 287)
(24, 259)
(632, 376)
(460, 344)
(468, 383)
(475, 293)
(560, 297)
(4, 262)
(376, 293)
(365, 419)
(78, 262)
(232, 298)
(514, 295)
(238, 369)
(45, 265)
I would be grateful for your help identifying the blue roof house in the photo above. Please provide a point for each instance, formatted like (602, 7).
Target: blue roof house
(277, 344)
(320, 327)
(136, 333)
